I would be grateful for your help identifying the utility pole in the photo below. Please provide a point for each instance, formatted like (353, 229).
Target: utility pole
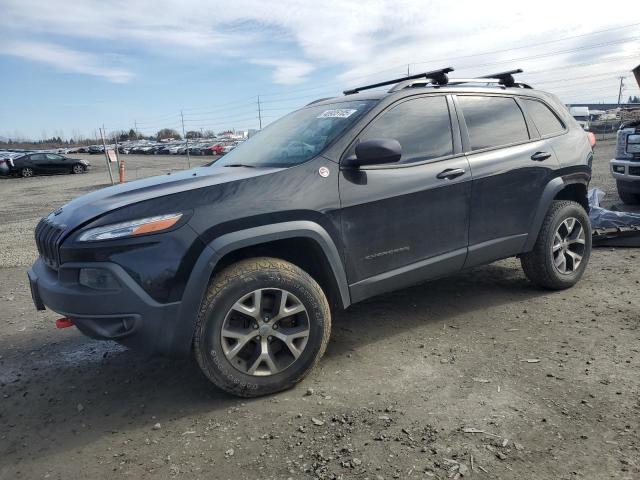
(186, 139)
(135, 128)
(106, 156)
(259, 113)
(408, 66)
(620, 91)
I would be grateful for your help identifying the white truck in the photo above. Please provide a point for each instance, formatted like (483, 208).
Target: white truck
(581, 114)
(625, 166)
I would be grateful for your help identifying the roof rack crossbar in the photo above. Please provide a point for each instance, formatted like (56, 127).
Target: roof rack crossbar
(437, 76)
(506, 78)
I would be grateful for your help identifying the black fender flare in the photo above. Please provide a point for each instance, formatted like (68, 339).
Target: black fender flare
(550, 191)
(201, 273)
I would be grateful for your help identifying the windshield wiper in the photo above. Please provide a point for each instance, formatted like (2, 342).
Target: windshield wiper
(240, 165)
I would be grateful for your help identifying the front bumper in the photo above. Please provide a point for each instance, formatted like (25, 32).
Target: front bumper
(631, 172)
(127, 315)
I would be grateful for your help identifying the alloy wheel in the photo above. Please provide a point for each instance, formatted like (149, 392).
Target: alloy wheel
(27, 172)
(77, 168)
(265, 332)
(568, 246)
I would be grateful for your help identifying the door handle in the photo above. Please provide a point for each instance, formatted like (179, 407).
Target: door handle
(450, 173)
(540, 156)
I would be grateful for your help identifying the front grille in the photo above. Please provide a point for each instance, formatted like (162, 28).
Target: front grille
(48, 235)
(634, 171)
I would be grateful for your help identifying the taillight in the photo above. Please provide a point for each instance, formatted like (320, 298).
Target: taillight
(592, 139)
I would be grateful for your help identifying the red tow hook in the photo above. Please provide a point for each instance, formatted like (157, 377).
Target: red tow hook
(64, 323)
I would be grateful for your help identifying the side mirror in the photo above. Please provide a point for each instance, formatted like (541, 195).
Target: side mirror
(375, 151)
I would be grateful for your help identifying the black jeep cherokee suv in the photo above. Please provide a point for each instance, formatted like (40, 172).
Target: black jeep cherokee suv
(349, 197)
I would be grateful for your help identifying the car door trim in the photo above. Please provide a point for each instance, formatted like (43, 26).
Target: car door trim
(423, 270)
(495, 249)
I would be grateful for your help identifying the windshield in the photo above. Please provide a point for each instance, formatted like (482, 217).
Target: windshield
(297, 137)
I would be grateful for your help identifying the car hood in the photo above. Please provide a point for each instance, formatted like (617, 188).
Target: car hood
(92, 205)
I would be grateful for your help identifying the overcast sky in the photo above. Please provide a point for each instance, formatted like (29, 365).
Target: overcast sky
(70, 66)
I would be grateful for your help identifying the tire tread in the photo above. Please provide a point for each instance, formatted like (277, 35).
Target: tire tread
(219, 283)
(534, 263)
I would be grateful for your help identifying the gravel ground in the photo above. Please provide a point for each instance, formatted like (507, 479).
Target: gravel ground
(475, 376)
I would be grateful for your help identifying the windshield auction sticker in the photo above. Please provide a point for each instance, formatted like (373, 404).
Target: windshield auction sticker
(337, 113)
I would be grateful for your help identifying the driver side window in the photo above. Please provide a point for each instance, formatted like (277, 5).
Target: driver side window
(421, 125)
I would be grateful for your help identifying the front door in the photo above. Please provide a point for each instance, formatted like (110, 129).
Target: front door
(408, 221)
(59, 163)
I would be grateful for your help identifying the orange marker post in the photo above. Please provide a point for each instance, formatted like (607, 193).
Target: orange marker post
(121, 170)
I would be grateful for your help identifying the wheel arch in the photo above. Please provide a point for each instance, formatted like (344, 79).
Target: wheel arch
(322, 262)
(572, 186)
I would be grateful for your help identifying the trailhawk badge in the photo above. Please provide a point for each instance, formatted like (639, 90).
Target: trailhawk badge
(324, 172)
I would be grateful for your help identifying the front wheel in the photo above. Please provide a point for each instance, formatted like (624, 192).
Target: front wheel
(627, 197)
(263, 325)
(77, 168)
(561, 252)
(26, 172)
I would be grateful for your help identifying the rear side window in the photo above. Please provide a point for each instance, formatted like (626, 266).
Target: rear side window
(544, 119)
(493, 121)
(422, 126)
(37, 157)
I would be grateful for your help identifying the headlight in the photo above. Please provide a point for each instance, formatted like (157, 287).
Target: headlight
(131, 228)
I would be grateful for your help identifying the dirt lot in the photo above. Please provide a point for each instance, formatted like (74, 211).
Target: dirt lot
(480, 374)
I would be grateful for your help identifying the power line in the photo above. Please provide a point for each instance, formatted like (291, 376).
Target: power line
(402, 66)
(287, 97)
(552, 54)
(531, 45)
(544, 82)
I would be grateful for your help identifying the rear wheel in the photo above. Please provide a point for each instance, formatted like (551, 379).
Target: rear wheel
(262, 327)
(26, 172)
(77, 168)
(561, 252)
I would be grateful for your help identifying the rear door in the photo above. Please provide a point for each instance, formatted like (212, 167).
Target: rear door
(40, 163)
(511, 164)
(407, 221)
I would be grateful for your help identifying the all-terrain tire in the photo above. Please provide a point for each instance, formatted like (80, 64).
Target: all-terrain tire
(628, 197)
(538, 264)
(225, 290)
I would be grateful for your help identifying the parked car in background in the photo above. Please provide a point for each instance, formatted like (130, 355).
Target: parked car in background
(94, 149)
(215, 149)
(6, 161)
(164, 150)
(39, 163)
(227, 148)
(174, 149)
(625, 167)
(5, 166)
